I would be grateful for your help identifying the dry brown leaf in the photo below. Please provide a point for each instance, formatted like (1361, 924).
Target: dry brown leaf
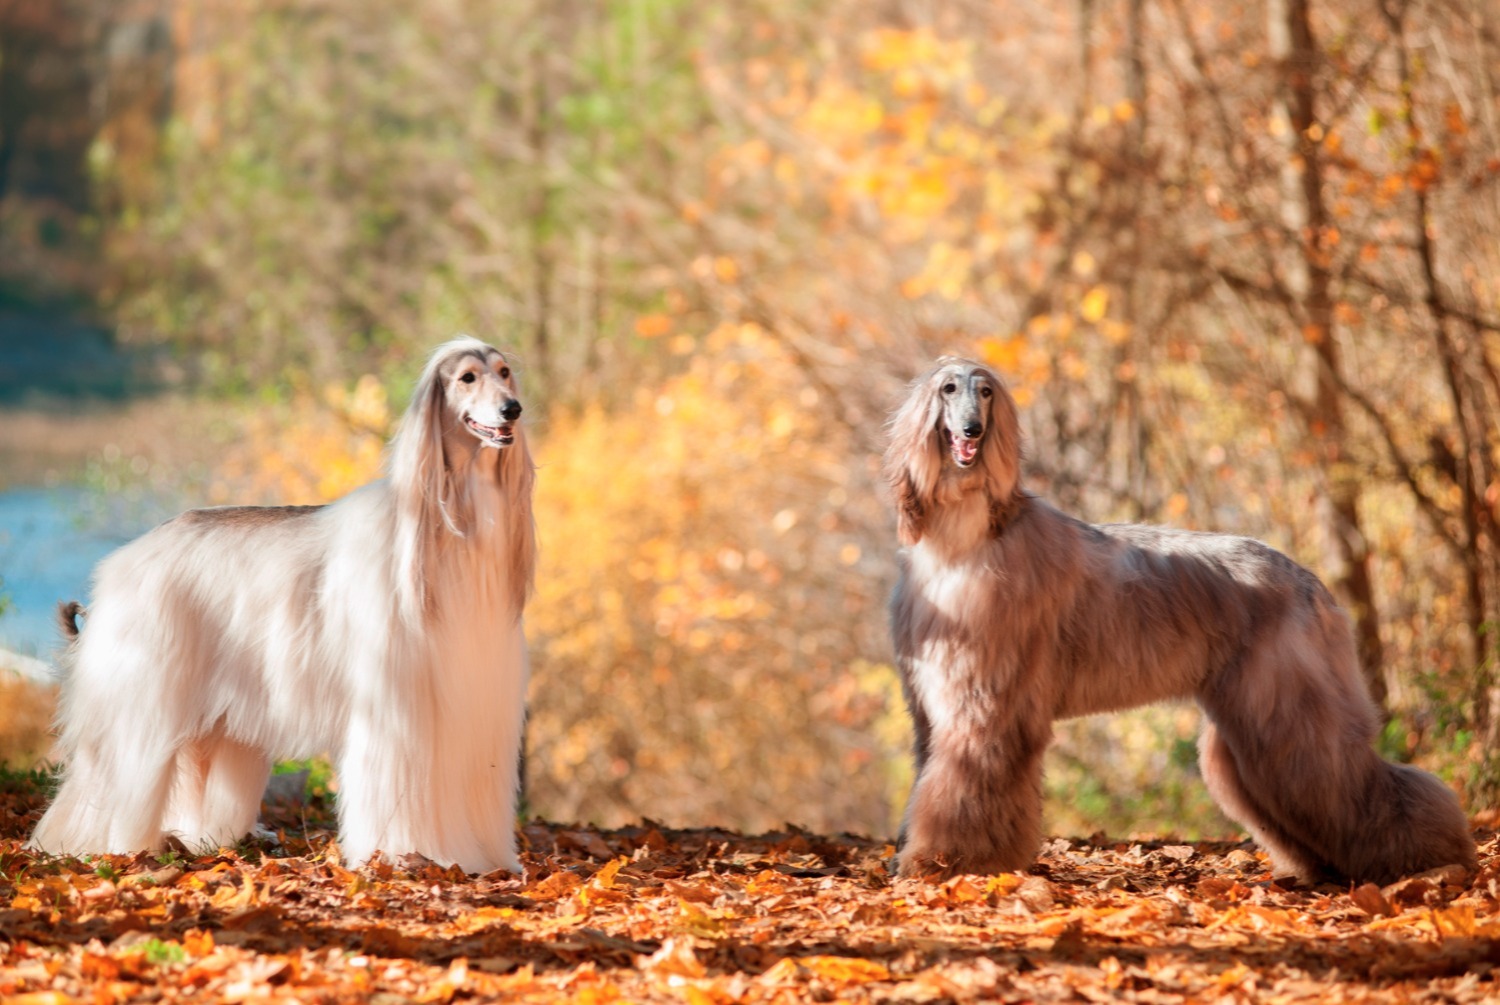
(1371, 900)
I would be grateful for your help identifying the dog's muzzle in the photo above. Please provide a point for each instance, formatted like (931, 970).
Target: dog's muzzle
(964, 449)
(502, 435)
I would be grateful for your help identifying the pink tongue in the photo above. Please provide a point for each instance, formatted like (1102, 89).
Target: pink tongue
(967, 448)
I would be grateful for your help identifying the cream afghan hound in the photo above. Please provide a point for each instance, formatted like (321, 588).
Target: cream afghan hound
(1010, 614)
(384, 628)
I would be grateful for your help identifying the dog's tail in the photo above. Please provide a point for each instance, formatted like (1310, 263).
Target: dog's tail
(67, 618)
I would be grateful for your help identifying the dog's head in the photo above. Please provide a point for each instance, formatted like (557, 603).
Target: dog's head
(957, 423)
(964, 393)
(478, 390)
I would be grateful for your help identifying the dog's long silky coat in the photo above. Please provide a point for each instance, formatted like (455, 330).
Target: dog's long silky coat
(1010, 614)
(384, 629)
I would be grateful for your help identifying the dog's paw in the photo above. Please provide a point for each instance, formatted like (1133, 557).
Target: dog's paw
(932, 867)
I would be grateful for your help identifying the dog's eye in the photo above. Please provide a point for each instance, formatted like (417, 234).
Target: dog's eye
(950, 387)
(467, 378)
(985, 392)
(505, 373)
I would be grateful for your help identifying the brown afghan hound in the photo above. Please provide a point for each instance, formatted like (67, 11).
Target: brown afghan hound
(1010, 614)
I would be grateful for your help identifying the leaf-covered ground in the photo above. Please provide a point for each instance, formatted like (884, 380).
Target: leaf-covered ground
(705, 916)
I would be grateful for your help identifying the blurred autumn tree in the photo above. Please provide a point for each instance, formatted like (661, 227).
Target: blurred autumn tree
(1236, 259)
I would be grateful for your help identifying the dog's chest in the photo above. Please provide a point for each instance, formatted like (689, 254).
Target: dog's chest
(942, 667)
(953, 586)
(944, 586)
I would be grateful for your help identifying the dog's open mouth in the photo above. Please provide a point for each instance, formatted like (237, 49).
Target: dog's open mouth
(502, 435)
(964, 449)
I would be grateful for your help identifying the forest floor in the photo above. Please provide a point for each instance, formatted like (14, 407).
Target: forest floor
(652, 914)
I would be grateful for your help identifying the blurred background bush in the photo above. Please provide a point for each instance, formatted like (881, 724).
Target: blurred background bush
(1237, 261)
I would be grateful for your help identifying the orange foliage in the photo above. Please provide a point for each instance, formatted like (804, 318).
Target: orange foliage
(708, 625)
(26, 710)
(310, 451)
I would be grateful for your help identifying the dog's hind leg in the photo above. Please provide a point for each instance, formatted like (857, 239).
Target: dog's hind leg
(1221, 774)
(116, 775)
(921, 744)
(110, 802)
(216, 792)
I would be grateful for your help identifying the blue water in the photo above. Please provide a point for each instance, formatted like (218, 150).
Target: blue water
(50, 541)
(51, 538)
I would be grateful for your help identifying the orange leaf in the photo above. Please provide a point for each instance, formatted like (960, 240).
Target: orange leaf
(1454, 119)
(197, 942)
(652, 325)
(674, 959)
(604, 879)
(725, 269)
(556, 886)
(963, 890)
(844, 969)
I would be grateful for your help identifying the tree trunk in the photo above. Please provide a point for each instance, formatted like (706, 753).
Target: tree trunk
(1346, 558)
(1130, 422)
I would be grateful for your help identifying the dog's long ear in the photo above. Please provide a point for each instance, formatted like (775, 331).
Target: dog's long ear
(1000, 455)
(913, 462)
(419, 479)
(516, 475)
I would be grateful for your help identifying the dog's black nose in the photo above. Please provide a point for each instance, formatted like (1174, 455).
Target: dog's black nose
(511, 410)
(972, 429)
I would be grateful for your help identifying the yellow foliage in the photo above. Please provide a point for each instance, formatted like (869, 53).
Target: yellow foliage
(706, 620)
(946, 272)
(308, 452)
(1095, 303)
(842, 116)
(916, 55)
